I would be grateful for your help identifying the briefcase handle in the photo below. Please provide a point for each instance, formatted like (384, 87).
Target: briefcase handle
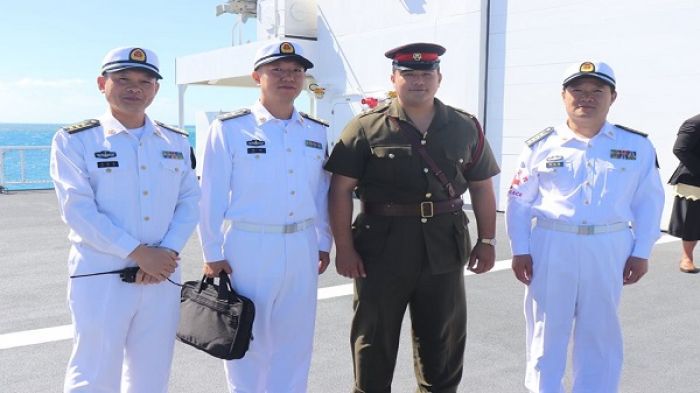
(224, 288)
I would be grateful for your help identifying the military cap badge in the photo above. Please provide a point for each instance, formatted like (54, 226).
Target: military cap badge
(587, 67)
(286, 48)
(417, 56)
(137, 54)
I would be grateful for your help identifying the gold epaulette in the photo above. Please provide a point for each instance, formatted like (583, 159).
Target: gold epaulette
(539, 136)
(82, 126)
(233, 115)
(173, 129)
(315, 120)
(631, 130)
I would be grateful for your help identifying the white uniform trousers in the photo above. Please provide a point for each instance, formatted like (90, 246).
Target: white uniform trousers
(279, 272)
(575, 278)
(124, 334)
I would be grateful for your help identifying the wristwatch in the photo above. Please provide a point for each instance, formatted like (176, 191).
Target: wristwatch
(491, 242)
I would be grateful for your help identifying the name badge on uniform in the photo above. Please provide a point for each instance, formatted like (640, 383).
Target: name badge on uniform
(555, 161)
(108, 164)
(255, 142)
(257, 150)
(314, 144)
(173, 155)
(105, 154)
(623, 154)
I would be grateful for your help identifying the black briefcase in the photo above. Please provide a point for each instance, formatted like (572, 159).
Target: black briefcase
(215, 319)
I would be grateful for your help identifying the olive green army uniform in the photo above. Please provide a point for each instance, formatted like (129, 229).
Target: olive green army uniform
(410, 261)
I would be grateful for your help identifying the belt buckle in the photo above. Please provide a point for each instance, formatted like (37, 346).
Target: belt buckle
(586, 229)
(426, 209)
(291, 228)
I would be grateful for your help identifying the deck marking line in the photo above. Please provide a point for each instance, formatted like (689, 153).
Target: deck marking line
(65, 332)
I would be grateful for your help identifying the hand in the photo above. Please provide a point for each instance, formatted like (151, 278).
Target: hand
(324, 259)
(145, 278)
(157, 262)
(349, 264)
(522, 267)
(212, 269)
(482, 258)
(635, 269)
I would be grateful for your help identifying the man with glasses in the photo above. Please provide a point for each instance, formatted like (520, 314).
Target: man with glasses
(264, 220)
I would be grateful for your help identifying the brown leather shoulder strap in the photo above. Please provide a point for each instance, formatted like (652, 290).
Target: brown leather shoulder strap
(418, 146)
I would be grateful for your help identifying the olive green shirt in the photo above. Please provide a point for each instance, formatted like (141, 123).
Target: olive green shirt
(375, 151)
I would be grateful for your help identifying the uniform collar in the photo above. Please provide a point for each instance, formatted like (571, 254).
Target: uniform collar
(439, 119)
(111, 126)
(566, 134)
(262, 115)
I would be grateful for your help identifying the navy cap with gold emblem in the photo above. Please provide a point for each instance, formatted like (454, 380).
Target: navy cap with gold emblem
(589, 69)
(119, 59)
(416, 56)
(278, 50)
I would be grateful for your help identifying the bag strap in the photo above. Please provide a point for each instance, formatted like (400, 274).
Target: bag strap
(418, 146)
(224, 288)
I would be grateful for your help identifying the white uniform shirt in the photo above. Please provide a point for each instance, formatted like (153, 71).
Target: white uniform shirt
(256, 170)
(116, 191)
(608, 179)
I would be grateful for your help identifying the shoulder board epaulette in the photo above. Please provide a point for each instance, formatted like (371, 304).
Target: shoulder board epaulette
(377, 109)
(82, 126)
(631, 130)
(234, 114)
(462, 111)
(315, 120)
(173, 129)
(539, 136)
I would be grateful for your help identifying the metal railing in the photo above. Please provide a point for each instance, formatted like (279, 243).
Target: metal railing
(24, 167)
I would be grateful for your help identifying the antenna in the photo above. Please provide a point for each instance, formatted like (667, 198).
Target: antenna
(244, 8)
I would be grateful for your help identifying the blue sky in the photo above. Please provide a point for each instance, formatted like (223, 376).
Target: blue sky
(52, 50)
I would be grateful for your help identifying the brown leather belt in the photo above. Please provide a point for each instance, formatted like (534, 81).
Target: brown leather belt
(425, 209)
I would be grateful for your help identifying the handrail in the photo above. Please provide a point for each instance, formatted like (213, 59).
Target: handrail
(17, 173)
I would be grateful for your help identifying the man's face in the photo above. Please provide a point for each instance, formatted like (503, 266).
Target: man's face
(416, 87)
(588, 99)
(281, 79)
(130, 91)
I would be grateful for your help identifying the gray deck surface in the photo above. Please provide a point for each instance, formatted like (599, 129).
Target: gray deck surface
(661, 319)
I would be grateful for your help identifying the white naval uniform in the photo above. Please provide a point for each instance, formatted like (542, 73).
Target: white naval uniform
(258, 175)
(564, 181)
(116, 192)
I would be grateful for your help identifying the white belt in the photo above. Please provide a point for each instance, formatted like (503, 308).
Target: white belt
(265, 228)
(581, 229)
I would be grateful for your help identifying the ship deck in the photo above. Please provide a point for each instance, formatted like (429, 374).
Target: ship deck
(659, 316)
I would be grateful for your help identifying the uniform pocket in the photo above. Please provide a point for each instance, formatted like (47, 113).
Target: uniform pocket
(388, 162)
(369, 235)
(557, 176)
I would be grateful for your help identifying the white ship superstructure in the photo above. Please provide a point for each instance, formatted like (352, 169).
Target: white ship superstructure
(504, 61)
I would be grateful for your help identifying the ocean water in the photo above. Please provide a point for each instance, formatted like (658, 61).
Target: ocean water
(34, 174)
